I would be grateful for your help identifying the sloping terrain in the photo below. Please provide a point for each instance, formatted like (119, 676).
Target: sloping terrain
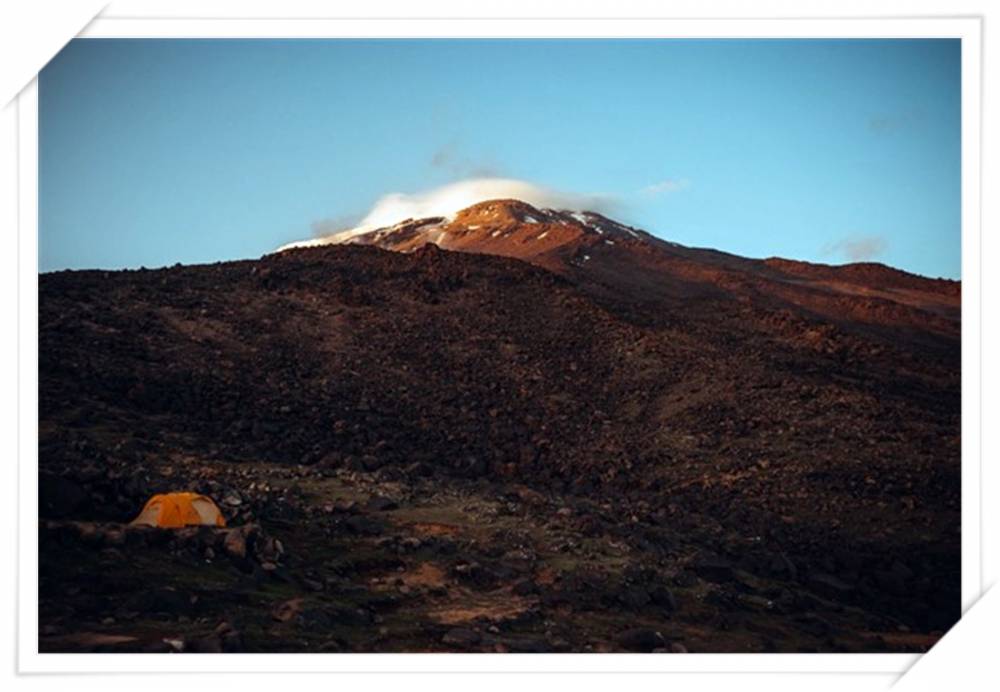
(604, 256)
(630, 445)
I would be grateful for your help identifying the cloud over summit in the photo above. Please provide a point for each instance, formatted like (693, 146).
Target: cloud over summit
(449, 199)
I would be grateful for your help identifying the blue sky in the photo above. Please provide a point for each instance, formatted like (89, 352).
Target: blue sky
(161, 151)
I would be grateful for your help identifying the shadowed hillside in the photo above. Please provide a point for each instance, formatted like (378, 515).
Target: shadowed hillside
(513, 430)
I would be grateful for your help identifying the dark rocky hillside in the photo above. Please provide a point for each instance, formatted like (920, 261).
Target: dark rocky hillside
(502, 448)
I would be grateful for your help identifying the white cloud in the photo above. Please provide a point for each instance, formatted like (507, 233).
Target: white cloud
(665, 187)
(857, 248)
(447, 200)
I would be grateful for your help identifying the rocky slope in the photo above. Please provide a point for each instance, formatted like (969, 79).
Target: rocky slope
(603, 255)
(563, 434)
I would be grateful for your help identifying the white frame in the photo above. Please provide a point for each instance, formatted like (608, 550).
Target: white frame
(967, 29)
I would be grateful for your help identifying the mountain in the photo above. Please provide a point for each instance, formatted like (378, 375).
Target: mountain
(514, 429)
(627, 263)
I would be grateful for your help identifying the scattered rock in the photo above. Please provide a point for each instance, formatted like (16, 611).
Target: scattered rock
(829, 584)
(461, 637)
(525, 587)
(162, 600)
(363, 525)
(783, 568)
(419, 470)
(380, 503)
(715, 569)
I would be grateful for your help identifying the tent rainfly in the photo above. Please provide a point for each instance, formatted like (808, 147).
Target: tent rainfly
(174, 510)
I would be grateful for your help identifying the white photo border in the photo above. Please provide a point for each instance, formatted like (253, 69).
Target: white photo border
(968, 29)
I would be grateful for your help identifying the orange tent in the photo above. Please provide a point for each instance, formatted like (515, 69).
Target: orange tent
(174, 510)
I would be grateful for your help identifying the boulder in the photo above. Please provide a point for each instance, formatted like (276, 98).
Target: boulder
(663, 597)
(287, 610)
(235, 542)
(381, 503)
(641, 640)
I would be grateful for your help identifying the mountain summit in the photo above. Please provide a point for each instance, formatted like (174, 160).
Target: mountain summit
(507, 227)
